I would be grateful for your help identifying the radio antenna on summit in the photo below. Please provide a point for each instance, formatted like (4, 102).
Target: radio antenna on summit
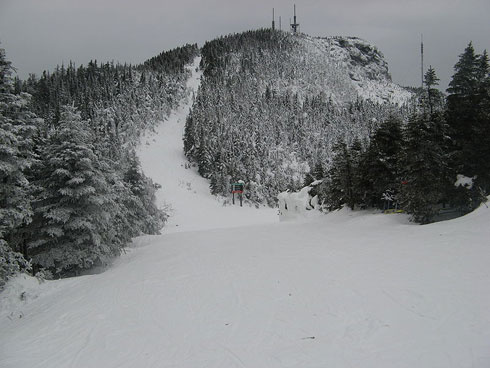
(273, 20)
(422, 58)
(294, 25)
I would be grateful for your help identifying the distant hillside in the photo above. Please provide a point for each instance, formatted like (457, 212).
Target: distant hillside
(272, 104)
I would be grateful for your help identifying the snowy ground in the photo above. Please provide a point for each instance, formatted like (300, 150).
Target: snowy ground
(232, 287)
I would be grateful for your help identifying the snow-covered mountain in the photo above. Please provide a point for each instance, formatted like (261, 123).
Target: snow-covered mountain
(230, 288)
(342, 68)
(227, 287)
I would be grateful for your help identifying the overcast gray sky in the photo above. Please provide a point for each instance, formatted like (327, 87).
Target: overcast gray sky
(39, 34)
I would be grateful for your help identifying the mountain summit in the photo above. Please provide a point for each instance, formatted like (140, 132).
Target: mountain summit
(342, 68)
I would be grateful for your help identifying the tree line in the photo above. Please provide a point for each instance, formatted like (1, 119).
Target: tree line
(440, 158)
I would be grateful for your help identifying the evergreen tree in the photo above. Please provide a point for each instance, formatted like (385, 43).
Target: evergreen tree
(431, 80)
(380, 164)
(481, 143)
(423, 169)
(73, 209)
(86, 187)
(188, 135)
(143, 214)
(339, 188)
(14, 208)
(358, 191)
(461, 114)
(309, 178)
(318, 171)
(465, 78)
(467, 116)
(16, 130)
(461, 109)
(483, 69)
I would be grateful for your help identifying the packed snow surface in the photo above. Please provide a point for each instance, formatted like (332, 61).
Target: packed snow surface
(233, 287)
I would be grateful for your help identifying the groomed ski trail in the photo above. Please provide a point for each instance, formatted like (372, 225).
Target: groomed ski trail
(350, 289)
(183, 191)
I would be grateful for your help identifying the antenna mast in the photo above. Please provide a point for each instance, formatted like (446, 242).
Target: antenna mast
(273, 20)
(422, 58)
(294, 25)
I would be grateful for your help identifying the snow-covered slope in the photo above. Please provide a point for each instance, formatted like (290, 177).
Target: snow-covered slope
(346, 290)
(184, 192)
(349, 289)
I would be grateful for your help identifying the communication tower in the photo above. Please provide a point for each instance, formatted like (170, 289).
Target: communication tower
(422, 58)
(294, 25)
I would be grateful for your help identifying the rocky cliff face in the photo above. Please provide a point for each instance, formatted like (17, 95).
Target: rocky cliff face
(358, 67)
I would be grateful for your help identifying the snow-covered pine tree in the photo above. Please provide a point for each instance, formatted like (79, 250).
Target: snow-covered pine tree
(357, 196)
(85, 209)
(144, 216)
(318, 171)
(72, 227)
(17, 125)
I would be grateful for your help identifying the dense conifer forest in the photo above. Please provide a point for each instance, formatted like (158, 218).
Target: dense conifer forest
(267, 114)
(272, 105)
(434, 163)
(72, 192)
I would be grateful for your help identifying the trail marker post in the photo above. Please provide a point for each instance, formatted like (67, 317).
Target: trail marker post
(238, 188)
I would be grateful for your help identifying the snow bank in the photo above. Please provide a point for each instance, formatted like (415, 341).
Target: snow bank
(464, 181)
(294, 205)
(19, 291)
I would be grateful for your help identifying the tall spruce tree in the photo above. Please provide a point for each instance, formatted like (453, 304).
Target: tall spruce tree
(423, 168)
(357, 193)
(339, 187)
(431, 80)
(482, 129)
(143, 214)
(461, 114)
(380, 164)
(17, 125)
(73, 209)
(468, 103)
